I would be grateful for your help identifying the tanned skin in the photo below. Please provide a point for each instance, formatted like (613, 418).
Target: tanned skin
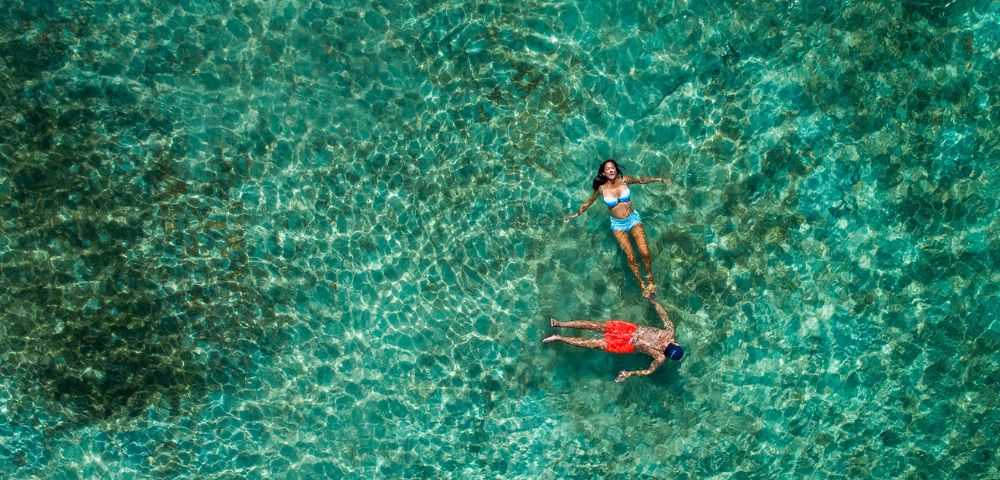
(615, 186)
(648, 340)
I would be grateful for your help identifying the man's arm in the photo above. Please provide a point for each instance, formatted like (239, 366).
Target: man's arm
(657, 361)
(667, 324)
(583, 207)
(646, 180)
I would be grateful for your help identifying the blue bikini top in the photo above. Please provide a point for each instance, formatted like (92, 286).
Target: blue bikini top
(625, 197)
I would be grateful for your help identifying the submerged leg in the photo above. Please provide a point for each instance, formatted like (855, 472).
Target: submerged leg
(626, 245)
(581, 324)
(639, 233)
(577, 342)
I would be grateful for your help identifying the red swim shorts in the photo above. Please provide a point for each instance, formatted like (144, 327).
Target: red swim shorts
(618, 336)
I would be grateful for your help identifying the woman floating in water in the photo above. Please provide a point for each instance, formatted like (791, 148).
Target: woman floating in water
(624, 337)
(612, 184)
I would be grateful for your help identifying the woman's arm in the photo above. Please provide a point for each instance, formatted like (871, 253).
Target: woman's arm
(657, 361)
(583, 207)
(646, 180)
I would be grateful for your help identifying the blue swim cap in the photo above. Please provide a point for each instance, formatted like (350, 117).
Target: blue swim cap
(674, 351)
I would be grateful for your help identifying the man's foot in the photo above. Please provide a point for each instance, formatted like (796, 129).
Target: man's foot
(553, 322)
(550, 339)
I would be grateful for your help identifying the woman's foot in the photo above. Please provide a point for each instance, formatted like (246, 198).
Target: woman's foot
(553, 322)
(550, 339)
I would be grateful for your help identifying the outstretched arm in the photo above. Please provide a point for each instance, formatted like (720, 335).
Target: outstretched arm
(657, 361)
(667, 324)
(583, 207)
(647, 180)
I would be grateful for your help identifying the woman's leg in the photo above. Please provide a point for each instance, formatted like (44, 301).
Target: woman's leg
(577, 342)
(626, 245)
(581, 324)
(639, 233)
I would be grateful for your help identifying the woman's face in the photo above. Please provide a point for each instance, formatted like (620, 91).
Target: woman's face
(610, 171)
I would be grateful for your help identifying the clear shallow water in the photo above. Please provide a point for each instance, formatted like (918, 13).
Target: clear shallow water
(305, 239)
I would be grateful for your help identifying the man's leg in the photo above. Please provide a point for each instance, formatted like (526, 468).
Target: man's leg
(581, 324)
(577, 342)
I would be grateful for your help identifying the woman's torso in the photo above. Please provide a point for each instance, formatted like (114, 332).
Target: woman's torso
(618, 197)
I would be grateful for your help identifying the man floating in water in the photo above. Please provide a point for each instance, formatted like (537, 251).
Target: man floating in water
(624, 337)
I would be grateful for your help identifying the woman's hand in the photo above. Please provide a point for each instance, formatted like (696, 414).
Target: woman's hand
(665, 180)
(623, 376)
(572, 216)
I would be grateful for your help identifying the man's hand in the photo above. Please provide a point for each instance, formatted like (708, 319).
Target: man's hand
(623, 376)
(572, 216)
(665, 180)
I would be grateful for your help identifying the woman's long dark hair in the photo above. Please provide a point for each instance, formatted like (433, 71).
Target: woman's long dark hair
(600, 178)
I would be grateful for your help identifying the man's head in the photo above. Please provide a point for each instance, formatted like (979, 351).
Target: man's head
(674, 351)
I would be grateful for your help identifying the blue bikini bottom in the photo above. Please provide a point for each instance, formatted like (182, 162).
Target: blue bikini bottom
(626, 223)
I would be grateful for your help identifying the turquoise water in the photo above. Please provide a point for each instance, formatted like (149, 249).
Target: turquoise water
(308, 239)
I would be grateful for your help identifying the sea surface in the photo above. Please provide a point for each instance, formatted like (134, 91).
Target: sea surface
(323, 239)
